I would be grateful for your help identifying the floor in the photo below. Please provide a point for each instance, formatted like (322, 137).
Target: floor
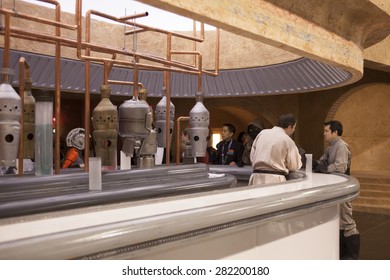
(374, 235)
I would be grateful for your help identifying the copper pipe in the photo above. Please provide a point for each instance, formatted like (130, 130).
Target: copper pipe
(87, 113)
(57, 89)
(37, 19)
(137, 31)
(194, 43)
(200, 74)
(105, 73)
(186, 52)
(46, 38)
(54, 2)
(158, 30)
(7, 39)
(178, 121)
(126, 18)
(79, 21)
(135, 89)
(140, 65)
(168, 97)
(87, 95)
(218, 38)
(107, 70)
(23, 66)
(110, 65)
(117, 82)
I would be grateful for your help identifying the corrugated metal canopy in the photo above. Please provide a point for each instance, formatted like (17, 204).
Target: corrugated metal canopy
(295, 76)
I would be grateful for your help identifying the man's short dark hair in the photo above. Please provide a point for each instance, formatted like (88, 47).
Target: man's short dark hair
(335, 125)
(231, 127)
(286, 120)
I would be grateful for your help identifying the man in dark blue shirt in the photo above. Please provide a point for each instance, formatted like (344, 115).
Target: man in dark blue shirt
(229, 151)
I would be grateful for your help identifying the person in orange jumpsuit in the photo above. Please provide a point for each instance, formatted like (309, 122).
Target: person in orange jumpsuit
(75, 140)
(72, 158)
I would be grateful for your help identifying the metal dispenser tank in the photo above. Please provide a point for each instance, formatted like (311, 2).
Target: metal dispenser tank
(10, 104)
(105, 134)
(199, 123)
(135, 125)
(29, 121)
(161, 117)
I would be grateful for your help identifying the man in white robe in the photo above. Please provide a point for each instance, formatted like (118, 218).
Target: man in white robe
(274, 154)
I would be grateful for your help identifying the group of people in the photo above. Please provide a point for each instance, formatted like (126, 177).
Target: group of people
(273, 154)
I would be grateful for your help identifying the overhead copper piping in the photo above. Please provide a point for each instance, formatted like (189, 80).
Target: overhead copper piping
(158, 30)
(140, 65)
(46, 38)
(117, 82)
(37, 19)
(23, 66)
(70, 42)
(88, 18)
(178, 121)
(124, 19)
(195, 53)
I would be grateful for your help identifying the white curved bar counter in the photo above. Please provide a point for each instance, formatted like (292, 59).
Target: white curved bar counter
(295, 220)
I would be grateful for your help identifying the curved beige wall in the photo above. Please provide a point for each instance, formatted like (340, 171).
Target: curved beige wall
(365, 115)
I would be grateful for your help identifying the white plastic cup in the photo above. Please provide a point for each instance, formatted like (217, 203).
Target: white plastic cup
(309, 163)
(95, 174)
(125, 162)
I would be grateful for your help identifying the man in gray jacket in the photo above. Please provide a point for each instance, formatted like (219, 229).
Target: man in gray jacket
(337, 159)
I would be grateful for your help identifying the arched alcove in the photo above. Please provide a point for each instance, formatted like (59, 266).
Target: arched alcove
(364, 112)
(239, 112)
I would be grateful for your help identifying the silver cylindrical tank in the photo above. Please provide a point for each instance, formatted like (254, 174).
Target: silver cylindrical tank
(29, 121)
(105, 134)
(135, 119)
(135, 124)
(10, 104)
(161, 117)
(199, 131)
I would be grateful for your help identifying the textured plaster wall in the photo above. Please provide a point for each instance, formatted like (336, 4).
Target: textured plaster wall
(362, 108)
(365, 115)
